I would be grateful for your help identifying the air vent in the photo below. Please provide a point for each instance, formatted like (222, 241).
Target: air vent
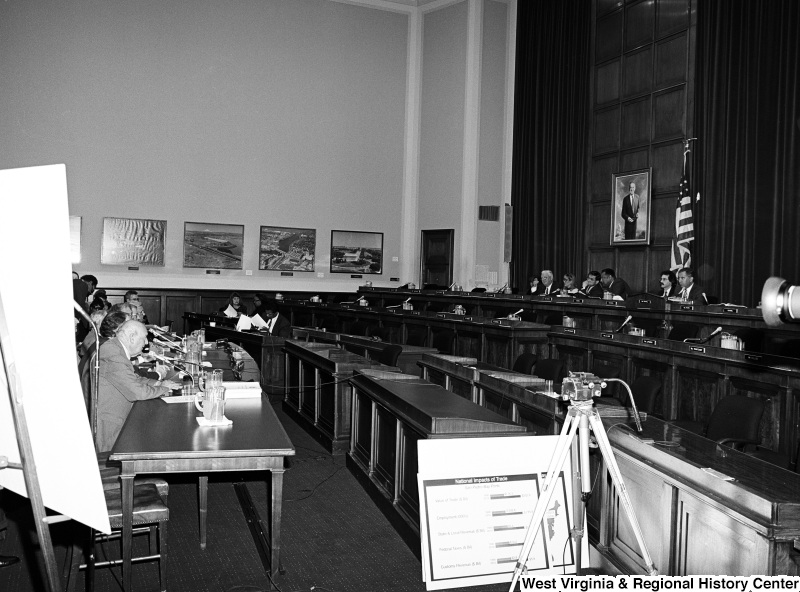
(490, 213)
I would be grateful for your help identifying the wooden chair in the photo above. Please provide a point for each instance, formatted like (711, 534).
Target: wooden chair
(645, 391)
(443, 341)
(550, 369)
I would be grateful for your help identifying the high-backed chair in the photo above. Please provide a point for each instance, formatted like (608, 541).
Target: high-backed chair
(389, 355)
(417, 336)
(735, 421)
(524, 363)
(443, 341)
(358, 328)
(550, 369)
(645, 391)
(681, 331)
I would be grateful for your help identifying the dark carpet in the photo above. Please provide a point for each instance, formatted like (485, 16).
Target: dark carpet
(334, 538)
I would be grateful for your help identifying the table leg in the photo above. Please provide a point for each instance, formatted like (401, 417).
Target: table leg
(202, 506)
(276, 503)
(126, 491)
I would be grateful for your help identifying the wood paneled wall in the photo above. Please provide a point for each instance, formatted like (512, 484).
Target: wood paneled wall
(641, 112)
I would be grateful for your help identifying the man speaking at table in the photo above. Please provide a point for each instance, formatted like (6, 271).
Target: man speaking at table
(120, 386)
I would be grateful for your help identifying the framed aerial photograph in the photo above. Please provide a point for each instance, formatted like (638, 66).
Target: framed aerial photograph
(630, 208)
(353, 251)
(211, 245)
(75, 239)
(133, 241)
(286, 249)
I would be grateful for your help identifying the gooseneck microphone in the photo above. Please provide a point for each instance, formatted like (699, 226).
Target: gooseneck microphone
(780, 302)
(627, 320)
(704, 339)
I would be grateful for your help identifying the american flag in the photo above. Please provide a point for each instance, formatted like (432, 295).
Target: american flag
(684, 228)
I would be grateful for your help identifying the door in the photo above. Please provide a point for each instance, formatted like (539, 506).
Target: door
(437, 257)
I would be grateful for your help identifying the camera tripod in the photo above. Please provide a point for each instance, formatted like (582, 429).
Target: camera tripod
(581, 417)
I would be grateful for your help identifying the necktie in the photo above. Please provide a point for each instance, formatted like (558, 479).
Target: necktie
(547, 290)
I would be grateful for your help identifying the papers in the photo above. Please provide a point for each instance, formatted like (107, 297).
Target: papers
(242, 390)
(244, 323)
(258, 321)
(230, 311)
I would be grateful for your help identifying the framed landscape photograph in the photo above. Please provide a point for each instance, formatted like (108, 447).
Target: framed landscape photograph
(133, 241)
(353, 251)
(211, 245)
(630, 208)
(286, 249)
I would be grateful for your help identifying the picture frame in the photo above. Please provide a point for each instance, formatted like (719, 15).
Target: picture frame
(282, 248)
(133, 242)
(212, 245)
(356, 252)
(630, 219)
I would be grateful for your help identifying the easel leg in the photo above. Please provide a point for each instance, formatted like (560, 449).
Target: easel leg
(616, 479)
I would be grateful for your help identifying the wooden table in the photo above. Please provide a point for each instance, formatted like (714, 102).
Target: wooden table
(161, 437)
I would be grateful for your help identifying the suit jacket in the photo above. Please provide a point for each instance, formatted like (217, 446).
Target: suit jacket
(696, 295)
(673, 291)
(119, 387)
(619, 287)
(541, 288)
(595, 291)
(282, 327)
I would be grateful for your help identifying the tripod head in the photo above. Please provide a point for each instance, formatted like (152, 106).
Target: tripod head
(581, 386)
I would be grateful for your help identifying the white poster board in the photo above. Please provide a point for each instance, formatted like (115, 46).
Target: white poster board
(477, 497)
(36, 291)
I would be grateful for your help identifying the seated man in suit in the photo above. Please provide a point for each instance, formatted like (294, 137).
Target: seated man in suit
(690, 292)
(669, 284)
(545, 287)
(277, 324)
(137, 311)
(119, 385)
(616, 286)
(592, 287)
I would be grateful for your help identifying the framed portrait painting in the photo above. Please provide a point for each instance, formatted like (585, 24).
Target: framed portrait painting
(631, 208)
(356, 252)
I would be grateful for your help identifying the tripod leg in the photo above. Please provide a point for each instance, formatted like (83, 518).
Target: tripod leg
(583, 473)
(616, 479)
(553, 470)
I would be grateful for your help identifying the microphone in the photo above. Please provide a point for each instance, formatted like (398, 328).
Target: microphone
(501, 289)
(401, 304)
(780, 302)
(705, 339)
(450, 287)
(513, 314)
(627, 320)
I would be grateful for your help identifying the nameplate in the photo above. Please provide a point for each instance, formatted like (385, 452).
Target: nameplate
(323, 304)
(287, 273)
(208, 271)
(301, 303)
(687, 307)
(497, 321)
(648, 302)
(611, 303)
(577, 300)
(607, 335)
(354, 276)
(488, 295)
(570, 331)
(441, 315)
(513, 296)
(394, 279)
(752, 358)
(467, 319)
(136, 268)
(391, 310)
(697, 348)
(649, 341)
(414, 291)
(730, 310)
(440, 292)
(416, 313)
(546, 298)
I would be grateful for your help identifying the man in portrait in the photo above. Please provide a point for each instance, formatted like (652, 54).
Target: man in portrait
(630, 211)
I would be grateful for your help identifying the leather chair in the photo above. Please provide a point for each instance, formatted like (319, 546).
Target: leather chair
(524, 363)
(550, 369)
(417, 337)
(681, 331)
(358, 328)
(645, 391)
(443, 341)
(389, 355)
(735, 421)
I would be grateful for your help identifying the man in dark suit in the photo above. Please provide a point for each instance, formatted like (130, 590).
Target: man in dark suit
(277, 324)
(592, 287)
(119, 385)
(616, 286)
(630, 212)
(545, 287)
(669, 284)
(690, 292)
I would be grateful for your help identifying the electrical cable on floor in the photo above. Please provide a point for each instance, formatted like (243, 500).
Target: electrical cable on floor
(317, 486)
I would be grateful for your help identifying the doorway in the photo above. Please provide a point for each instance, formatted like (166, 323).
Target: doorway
(437, 258)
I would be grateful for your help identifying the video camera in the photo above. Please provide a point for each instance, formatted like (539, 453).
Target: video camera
(581, 386)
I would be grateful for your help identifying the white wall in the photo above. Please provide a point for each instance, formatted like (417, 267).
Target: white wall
(260, 112)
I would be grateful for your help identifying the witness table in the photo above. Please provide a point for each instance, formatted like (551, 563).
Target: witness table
(161, 437)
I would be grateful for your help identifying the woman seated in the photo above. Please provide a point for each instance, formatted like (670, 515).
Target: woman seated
(234, 302)
(569, 284)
